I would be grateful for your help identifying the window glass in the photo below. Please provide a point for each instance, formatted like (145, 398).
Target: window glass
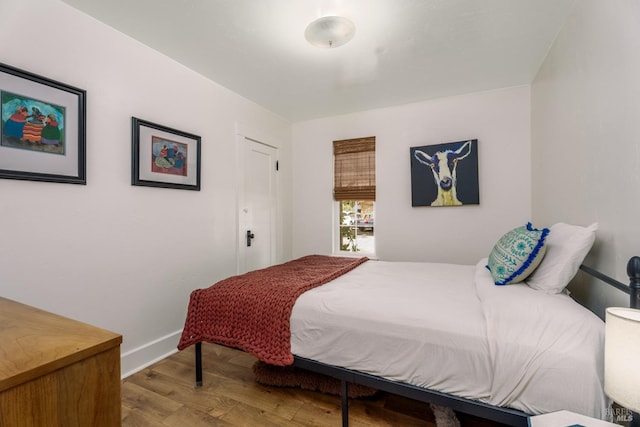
(357, 228)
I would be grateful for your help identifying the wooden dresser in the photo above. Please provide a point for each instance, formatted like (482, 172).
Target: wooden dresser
(55, 371)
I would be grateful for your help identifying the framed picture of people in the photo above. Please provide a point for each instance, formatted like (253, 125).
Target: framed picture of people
(42, 131)
(164, 157)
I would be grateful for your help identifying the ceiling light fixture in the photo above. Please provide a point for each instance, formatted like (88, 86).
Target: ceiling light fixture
(330, 31)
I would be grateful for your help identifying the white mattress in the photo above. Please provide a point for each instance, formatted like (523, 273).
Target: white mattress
(448, 328)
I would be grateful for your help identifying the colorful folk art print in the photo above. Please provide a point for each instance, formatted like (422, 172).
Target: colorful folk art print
(168, 157)
(445, 174)
(31, 124)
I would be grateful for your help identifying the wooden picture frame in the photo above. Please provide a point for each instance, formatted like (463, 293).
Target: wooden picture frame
(164, 157)
(42, 130)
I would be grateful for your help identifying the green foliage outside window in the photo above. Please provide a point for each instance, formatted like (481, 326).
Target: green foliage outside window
(347, 226)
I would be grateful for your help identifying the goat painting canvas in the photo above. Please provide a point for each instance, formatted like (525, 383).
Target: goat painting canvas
(445, 174)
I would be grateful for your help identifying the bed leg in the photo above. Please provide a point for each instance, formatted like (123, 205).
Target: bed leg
(344, 394)
(198, 364)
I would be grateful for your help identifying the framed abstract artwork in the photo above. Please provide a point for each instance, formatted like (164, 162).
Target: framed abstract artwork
(445, 174)
(43, 134)
(164, 157)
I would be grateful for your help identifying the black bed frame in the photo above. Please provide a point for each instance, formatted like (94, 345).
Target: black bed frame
(502, 415)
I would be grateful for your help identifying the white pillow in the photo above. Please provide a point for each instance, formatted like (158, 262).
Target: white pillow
(567, 246)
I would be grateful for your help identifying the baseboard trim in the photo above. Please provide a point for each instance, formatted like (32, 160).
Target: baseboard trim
(146, 355)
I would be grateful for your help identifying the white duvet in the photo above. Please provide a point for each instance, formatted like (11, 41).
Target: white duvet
(447, 327)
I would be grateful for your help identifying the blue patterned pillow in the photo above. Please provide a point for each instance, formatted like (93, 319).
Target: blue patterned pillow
(517, 254)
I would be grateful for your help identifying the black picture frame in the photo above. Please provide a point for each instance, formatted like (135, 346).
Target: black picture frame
(445, 174)
(42, 128)
(164, 157)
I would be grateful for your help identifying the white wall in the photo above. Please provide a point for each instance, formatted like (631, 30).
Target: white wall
(121, 257)
(500, 120)
(585, 131)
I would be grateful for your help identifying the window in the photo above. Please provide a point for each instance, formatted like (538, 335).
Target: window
(355, 192)
(356, 226)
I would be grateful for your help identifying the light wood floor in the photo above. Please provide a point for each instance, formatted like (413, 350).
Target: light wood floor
(164, 395)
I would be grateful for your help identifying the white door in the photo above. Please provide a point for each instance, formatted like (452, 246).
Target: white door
(258, 204)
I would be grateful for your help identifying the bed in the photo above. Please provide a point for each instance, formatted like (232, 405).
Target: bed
(440, 333)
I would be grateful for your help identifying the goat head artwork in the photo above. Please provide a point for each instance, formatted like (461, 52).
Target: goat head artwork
(443, 164)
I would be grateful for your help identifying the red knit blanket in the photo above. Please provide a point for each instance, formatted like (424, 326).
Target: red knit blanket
(252, 311)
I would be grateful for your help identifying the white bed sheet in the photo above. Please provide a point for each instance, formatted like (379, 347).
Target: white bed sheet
(443, 327)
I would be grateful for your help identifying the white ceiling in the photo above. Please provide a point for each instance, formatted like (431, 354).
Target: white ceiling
(403, 50)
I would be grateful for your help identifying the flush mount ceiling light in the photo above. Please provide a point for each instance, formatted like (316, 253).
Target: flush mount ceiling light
(330, 31)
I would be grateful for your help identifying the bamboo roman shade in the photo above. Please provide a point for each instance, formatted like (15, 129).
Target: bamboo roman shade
(355, 169)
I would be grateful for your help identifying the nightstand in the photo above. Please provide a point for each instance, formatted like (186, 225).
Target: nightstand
(56, 371)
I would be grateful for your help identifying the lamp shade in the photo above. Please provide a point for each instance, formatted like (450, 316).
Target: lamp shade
(622, 357)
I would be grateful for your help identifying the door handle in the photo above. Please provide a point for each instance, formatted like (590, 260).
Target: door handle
(250, 236)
